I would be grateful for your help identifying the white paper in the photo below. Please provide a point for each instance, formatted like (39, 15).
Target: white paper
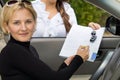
(80, 35)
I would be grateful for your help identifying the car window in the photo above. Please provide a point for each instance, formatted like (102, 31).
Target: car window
(86, 13)
(112, 10)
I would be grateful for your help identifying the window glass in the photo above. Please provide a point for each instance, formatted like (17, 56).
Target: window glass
(86, 13)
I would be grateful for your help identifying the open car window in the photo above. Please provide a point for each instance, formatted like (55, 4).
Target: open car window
(85, 14)
(112, 8)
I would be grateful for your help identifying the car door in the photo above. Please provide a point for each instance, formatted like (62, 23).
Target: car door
(52, 47)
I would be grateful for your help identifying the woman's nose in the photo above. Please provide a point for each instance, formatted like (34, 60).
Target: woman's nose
(24, 27)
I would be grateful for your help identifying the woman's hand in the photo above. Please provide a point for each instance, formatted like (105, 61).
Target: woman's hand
(69, 59)
(83, 51)
(94, 26)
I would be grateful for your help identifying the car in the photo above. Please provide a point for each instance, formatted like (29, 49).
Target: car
(49, 48)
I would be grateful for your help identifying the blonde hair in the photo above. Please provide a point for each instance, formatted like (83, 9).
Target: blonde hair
(8, 10)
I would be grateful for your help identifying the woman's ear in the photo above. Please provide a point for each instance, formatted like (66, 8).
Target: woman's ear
(6, 27)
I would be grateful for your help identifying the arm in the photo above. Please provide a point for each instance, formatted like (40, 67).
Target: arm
(67, 62)
(82, 51)
(26, 62)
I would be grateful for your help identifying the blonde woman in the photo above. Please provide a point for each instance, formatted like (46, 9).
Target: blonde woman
(18, 59)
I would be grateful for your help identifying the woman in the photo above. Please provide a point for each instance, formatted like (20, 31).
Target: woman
(55, 18)
(18, 59)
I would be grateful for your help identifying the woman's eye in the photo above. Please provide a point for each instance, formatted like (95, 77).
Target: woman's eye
(16, 23)
(29, 21)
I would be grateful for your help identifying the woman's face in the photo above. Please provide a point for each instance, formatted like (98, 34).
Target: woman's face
(21, 25)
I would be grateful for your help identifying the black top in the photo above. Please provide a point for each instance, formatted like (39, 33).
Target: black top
(20, 61)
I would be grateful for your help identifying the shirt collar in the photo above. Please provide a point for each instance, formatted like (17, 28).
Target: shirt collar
(25, 44)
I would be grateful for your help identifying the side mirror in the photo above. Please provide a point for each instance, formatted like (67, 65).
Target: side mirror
(113, 25)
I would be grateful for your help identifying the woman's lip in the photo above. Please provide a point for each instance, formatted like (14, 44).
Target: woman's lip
(24, 34)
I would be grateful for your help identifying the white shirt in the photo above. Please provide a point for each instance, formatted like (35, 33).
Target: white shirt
(53, 27)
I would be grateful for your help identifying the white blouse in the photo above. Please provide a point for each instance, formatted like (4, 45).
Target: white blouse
(53, 27)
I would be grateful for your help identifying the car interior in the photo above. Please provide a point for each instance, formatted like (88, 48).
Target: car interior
(107, 64)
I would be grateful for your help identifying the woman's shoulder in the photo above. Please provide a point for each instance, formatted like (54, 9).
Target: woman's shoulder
(11, 48)
(37, 3)
(67, 5)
